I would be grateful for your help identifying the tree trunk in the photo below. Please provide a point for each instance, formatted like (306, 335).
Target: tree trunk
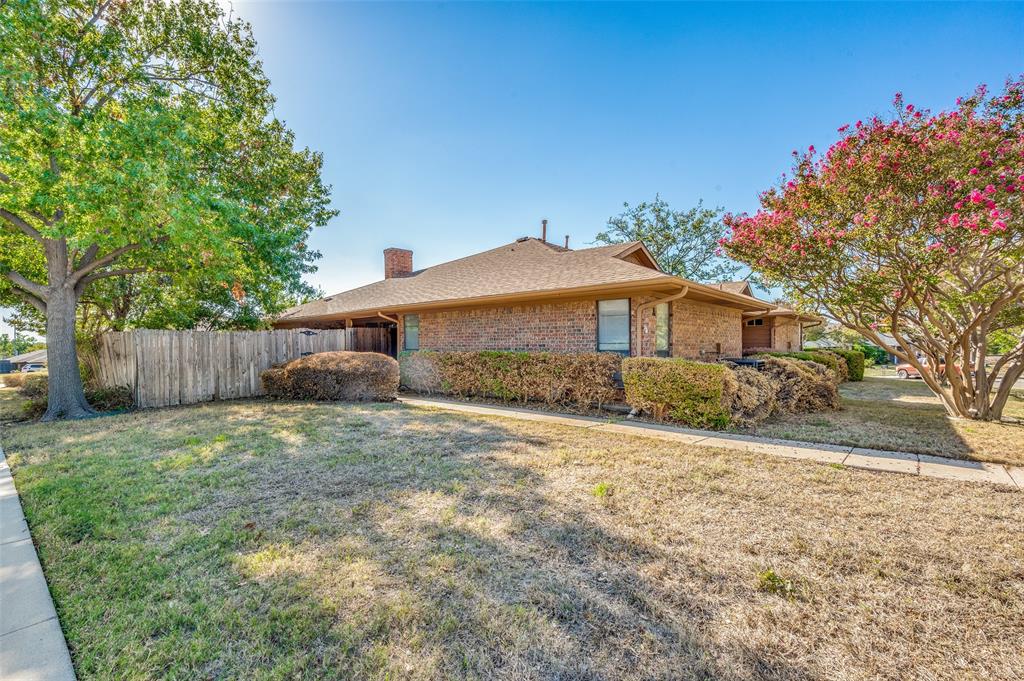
(65, 393)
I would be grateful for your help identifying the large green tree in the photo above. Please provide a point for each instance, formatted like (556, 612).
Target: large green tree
(138, 136)
(685, 242)
(910, 231)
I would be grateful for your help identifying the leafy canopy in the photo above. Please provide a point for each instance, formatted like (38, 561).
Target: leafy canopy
(141, 134)
(912, 227)
(685, 243)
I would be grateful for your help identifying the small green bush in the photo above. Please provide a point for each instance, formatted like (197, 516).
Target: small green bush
(873, 355)
(342, 375)
(689, 392)
(584, 379)
(854, 362)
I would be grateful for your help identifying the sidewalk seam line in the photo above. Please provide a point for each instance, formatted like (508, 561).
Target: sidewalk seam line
(28, 626)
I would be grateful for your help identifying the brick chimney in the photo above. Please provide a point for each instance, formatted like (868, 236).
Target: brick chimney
(397, 262)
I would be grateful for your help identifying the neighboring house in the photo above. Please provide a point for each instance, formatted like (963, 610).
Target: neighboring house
(532, 295)
(779, 329)
(34, 357)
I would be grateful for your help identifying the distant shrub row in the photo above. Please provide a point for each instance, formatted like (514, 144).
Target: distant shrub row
(846, 365)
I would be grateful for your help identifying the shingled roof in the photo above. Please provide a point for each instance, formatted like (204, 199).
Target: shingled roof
(741, 287)
(525, 267)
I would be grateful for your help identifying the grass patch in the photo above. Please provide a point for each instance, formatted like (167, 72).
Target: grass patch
(278, 540)
(888, 413)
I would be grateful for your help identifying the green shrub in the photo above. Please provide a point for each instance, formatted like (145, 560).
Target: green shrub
(555, 379)
(872, 354)
(854, 363)
(342, 375)
(693, 393)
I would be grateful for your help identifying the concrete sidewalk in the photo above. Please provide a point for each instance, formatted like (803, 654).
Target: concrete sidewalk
(32, 646)
(855, 457)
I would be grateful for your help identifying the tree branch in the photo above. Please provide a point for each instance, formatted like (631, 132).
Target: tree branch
(18, 222)
(27, 285)
(85, 281)
(31, 300)
(97, 263)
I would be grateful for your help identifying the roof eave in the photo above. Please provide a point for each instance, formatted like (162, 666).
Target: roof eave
(527, 296)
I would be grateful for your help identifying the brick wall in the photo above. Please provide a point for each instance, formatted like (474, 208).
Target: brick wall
(785, 335)
(572, 327)
(698, 327)
(553, 327)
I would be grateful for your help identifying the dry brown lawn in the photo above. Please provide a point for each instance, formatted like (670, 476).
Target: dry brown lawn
(272, 540)
(888, 413)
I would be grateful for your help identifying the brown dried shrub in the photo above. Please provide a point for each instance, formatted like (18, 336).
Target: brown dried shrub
(752, 396)
(342, 376)
(801, 386)
(420, 372)
(15, 380)
(555, 379)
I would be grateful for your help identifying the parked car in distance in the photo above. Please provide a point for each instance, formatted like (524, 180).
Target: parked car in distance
(906, 370)
(30, 368)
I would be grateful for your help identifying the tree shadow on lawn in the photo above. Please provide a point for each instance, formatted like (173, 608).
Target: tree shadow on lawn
(364, 542)
(461, 564)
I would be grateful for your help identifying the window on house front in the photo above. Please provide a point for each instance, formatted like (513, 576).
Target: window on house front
(412, 331)
(613, 325)
(661, 326)
(755, 322)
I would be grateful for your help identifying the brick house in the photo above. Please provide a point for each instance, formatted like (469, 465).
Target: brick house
(532, 295)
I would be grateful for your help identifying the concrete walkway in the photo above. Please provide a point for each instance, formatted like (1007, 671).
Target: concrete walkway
(32, 646)
(855, 457)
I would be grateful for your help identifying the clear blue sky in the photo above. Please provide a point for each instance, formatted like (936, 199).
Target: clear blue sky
(452, 128)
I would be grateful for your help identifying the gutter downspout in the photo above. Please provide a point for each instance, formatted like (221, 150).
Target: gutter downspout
(642, 308)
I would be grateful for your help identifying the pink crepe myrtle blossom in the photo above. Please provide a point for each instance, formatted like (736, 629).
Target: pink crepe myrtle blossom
(914, 192)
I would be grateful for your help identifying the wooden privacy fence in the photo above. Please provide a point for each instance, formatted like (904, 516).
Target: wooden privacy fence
(164, 368)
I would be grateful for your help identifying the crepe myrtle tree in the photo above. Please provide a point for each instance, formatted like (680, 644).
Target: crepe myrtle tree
(910, 231)
(138, 136)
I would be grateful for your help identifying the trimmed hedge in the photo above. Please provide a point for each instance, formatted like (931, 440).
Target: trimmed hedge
(693, 393)
(854, 362)
(585, 379)
(335, 376)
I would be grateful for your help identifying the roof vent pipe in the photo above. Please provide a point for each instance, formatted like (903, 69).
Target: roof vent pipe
(566, 241)
(544, 231)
